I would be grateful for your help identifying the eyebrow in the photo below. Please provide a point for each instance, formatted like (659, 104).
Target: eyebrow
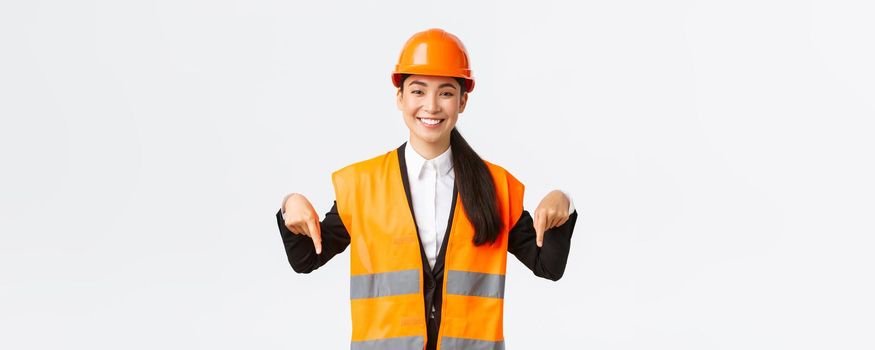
(426, 85)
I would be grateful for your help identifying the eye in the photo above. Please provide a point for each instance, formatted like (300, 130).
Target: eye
(447, 93)
(416, 92)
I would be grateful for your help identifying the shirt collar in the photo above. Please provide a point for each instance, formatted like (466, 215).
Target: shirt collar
(416, 163)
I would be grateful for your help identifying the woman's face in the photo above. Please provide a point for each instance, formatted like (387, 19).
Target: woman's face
(427, 99)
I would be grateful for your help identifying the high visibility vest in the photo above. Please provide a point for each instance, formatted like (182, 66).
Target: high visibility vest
(386, 270)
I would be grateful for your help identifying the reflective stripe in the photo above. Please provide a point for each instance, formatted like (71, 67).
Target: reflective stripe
(384, 284)
(399, 343)
(448, 343)
(475, 284)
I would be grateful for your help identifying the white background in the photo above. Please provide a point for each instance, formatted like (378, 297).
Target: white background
(720, 155)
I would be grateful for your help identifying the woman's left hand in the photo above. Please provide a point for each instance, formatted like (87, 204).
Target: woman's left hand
(551, 212)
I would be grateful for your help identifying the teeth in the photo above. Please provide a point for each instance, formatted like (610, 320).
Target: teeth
(430, 121)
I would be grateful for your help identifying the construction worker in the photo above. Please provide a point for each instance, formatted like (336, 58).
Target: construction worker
(429, 223)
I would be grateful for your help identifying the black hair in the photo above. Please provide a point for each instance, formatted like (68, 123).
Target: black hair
(474, 183)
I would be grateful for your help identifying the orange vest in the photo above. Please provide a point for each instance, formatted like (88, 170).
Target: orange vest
(386, 282)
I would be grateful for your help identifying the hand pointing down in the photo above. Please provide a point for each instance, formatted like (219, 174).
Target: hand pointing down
(551, 212)
(301, 218)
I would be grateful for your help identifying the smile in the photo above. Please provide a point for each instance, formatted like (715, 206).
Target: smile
(430, 123)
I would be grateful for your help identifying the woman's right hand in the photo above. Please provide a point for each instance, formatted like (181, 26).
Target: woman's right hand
(301, 218)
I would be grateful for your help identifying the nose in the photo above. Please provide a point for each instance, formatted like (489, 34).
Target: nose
(431, 105)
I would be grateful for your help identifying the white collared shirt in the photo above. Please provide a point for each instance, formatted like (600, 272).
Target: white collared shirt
(431, 191)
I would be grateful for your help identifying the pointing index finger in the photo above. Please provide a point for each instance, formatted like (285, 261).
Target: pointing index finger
(315, 234)
(539, 227)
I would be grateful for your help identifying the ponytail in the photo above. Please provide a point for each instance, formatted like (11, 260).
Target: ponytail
(475, 185)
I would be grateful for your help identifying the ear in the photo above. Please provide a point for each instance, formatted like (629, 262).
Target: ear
(398, 99)
(463, 102)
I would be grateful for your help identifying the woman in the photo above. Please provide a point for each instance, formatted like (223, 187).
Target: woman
(429, 223)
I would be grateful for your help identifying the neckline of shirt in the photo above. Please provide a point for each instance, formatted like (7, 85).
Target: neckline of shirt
(416, 163)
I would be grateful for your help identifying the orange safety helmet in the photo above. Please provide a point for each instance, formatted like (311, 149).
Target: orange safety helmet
(434, 52)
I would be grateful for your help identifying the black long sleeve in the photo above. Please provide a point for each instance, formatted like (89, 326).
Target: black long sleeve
(549, 260)
(300, 250)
